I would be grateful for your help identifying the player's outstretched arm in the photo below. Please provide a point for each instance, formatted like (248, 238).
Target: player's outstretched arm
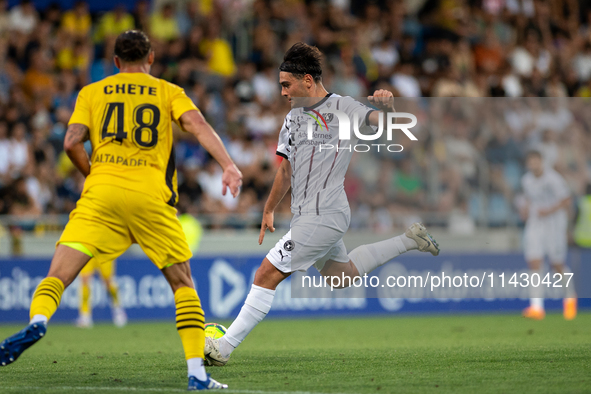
(193, 122)
(76, 135)
(384, 100)
(281, 185)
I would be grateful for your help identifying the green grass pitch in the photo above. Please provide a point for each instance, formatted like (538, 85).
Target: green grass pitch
(465, 353)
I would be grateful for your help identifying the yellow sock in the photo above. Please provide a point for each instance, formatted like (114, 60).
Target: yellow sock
(190, 321)
(113, 291)
(85, 298)
(47, 297)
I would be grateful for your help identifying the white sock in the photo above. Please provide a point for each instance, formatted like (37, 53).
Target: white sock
(536, 293)
(537, 303)
(39, 319)
(196, 368)
(257, 305)
(569, 291)
(369, 257)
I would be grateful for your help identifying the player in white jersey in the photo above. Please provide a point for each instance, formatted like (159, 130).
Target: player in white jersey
(319, 203)
(548, 199)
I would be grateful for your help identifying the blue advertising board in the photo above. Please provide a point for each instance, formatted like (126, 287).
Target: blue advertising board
(223, 283)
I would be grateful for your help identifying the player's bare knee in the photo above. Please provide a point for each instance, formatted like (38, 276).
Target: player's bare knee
(534, 264)
(557, 267)
(67, 264)
(268, 276)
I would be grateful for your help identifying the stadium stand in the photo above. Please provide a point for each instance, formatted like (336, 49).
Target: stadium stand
(225, 54)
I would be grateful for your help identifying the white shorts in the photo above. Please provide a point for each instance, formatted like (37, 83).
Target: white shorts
(311, 240)
(546, 237)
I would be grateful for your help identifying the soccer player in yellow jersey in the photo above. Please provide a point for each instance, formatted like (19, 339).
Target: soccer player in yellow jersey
(130, 193)
(107, 272)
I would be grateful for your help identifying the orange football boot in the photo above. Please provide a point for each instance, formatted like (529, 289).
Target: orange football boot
(570, 308)
(534, 313)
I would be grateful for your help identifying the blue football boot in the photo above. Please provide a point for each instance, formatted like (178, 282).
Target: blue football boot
(209, 384)
(12, 347)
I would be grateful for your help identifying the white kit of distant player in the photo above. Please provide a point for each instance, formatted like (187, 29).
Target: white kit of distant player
(545, 235)
(546, 230)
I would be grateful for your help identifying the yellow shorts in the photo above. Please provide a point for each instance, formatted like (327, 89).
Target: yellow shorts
(107, 219)
(106, 269)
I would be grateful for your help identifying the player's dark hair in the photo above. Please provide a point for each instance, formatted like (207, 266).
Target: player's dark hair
(302, 59)
(534, 153)
(132, 46)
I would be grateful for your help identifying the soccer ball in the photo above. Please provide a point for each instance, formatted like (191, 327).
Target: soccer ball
(214, 330)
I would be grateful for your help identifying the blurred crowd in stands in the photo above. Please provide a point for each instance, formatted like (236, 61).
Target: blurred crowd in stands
(464, 169)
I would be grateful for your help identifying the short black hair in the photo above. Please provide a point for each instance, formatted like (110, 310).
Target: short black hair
(534, 153)
(132, 46)
(302, 59)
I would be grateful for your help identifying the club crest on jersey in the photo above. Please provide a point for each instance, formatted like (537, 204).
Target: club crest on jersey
(315, 115)
(288, 245)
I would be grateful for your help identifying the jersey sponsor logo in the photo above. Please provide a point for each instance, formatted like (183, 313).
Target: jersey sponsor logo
(115, 159)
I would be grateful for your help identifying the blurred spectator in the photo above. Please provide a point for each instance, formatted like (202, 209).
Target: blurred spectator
(77, 22)
(488, 55)
(4, 18)
(405, 82)
(41, 187)
(531, 56)
(265, 84)
(163, 24)
(210, 180)
(217, 51)
(19, 148)
(23, 17)
(38, 82)
(20, 202)
(141, 15)
(5, 162)
(114, 23)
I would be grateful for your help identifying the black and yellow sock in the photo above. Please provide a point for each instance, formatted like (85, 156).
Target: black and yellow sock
(47, 297)
(190, 322)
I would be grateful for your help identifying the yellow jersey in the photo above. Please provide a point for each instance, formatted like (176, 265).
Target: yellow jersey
(130, 117)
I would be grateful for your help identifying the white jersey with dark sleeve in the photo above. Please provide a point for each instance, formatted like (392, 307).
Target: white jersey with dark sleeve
(318, 172)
